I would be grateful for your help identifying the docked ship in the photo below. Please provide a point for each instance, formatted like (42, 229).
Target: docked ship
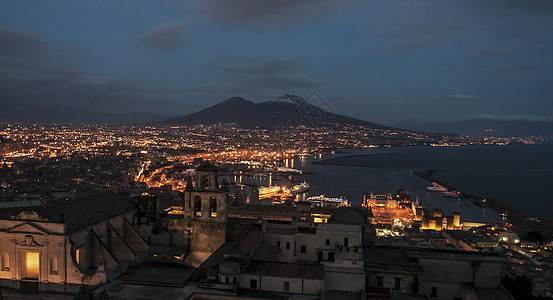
(288, 170)
(436, 188)
(322, 200)
(300, 188)
(269, 191)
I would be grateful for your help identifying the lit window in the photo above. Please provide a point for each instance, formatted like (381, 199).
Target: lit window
(32, 264)
(78, 256)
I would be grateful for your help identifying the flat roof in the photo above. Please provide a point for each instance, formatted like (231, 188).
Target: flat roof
(80, 213)
(285, 270)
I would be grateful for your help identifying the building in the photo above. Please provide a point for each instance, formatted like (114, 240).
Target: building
(63, 247)
(436, 274)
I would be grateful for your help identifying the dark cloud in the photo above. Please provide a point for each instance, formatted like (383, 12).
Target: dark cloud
(282, 83)
(271, 74)
(269, 67)
(530, 118)
(516, 68)
(267, 14)
(454, 98)
(164, 36)
(35, 73)
(20, 43)
(493, 53)
(414, 43)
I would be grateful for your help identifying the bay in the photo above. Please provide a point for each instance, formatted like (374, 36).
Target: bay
(517, 175)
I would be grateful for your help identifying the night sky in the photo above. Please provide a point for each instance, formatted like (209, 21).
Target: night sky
(381, 61)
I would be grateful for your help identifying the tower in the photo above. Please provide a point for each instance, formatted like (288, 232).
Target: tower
(205, 206)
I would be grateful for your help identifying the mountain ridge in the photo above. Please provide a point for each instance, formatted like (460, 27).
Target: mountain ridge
(287, 110)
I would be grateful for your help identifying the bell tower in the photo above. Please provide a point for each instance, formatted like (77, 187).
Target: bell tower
(205, 205)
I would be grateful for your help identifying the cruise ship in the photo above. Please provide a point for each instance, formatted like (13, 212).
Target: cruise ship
(269, 191)
(436, 188)
(322, 200)
(300, 188)
(288, 170)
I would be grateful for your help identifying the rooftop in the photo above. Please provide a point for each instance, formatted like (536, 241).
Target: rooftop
(80, 213)
(287, 270)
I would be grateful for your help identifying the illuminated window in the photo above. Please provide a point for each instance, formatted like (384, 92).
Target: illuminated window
(78, 256)
(32, 264)
(213, 207)
(5, 261)
(197, 206)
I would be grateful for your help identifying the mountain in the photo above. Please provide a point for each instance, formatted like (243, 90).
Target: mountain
(288, 110)
(484, 128)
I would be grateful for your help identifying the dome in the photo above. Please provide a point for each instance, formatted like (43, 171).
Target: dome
(509, 237)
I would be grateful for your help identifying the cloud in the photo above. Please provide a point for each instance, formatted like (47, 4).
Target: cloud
(516, 68)
(37, 73)
(267, 14)
(414, 43)
(454, 98)
(256, 76)
(165, 36)
(20, 43)
(529, 118)
(268, 67)
(492, 53)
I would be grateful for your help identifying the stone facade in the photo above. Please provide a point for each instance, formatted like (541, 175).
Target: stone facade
(58, 249)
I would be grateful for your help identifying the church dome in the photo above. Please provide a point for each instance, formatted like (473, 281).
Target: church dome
(509, 237)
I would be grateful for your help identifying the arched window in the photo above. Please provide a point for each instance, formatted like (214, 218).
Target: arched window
(213, 207)
(54, 265)
(205, 182)
(197, 206)
(5, 261)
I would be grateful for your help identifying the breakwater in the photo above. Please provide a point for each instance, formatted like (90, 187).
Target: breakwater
(512, 214)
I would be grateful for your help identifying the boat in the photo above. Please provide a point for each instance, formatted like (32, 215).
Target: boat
(436, 188)
(451, 195)
(300, 188)
(268, 191)
(288, 170)
(322, 200)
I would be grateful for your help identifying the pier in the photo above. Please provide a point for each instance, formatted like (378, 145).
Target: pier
(513, 214)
